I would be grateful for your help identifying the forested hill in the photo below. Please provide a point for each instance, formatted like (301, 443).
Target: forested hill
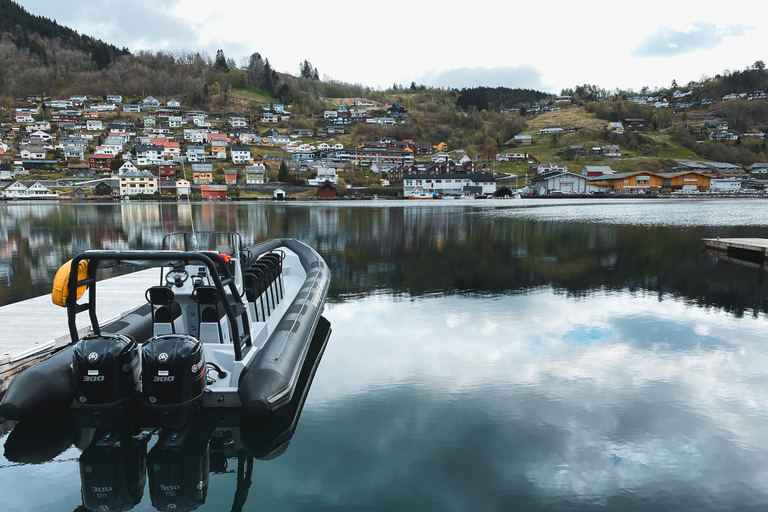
(499, 98)
(39, 35)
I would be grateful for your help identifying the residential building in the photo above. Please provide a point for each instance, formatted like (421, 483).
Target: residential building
(202, 174)
(450, 184)
(149, 154)
(100, 161)
(140, 182)
(552, 129)
(523, 140)
(241, 155)
(255, 174)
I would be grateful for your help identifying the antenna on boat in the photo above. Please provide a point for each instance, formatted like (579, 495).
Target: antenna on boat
(191, 216)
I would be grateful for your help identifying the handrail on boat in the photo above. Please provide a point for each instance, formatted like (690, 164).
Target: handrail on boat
(209, 259)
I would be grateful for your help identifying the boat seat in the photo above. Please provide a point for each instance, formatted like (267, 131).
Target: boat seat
(255, 285)
(165, 310)
(259, 280)
(276, 260)
(213, 320)
(268, 270)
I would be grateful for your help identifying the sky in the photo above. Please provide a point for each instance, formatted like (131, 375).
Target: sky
(547, 47)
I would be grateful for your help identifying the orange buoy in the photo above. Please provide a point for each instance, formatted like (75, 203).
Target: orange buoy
(60, 292)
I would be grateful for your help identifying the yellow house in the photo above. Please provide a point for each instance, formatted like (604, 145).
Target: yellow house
(140, 182)
(441, 147)
(202, 177)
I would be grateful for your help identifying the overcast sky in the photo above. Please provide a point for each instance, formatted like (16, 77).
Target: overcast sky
(545, 46)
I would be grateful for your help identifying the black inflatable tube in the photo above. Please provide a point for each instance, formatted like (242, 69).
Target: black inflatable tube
(40, 389)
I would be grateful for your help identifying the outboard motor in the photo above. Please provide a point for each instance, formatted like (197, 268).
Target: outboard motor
(173, 377)
(107, 377)
(178, 473)
(113, 472)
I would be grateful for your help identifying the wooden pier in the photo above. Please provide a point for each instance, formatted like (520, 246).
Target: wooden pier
(35, 328)
(751, 249)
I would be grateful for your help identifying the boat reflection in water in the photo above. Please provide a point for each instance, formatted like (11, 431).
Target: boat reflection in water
(115, 465)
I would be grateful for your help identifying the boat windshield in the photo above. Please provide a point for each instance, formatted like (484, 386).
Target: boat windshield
(224, 242)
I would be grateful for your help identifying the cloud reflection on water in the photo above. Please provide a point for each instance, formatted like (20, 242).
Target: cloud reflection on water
(589, 399)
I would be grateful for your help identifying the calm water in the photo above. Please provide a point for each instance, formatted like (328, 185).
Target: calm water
(487, 355)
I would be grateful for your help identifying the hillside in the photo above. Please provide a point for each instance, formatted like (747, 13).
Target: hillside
(39, 56)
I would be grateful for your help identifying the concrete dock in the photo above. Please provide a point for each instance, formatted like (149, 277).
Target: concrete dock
(753, 249)
(35, 328)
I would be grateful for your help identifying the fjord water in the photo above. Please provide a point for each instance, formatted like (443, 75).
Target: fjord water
(485, 355)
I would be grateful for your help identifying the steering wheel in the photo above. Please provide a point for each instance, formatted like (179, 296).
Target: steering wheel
(176, 276)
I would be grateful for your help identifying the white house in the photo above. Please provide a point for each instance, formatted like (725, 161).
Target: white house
(175, 121)
(173, 104)
(324, 174)
(127, 167)
(450, 184)
(195, 153)
(241, 155)
(237, 122)
(183, 188)
(149, 154)
(551, 129)
(35, 191)
(41, 135)
(331, 114)
(280, 140)
(93, 125)
(269, 117)
(195, 135)
(14, 189)
(549, 167)
(441, 156)
(33, 153)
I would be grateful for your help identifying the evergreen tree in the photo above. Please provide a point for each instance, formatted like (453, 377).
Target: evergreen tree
(220, 64)
(282, 172)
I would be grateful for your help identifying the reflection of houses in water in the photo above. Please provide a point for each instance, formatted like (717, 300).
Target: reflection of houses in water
(142, 226)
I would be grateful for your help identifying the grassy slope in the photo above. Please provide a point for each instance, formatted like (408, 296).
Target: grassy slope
(590, 135)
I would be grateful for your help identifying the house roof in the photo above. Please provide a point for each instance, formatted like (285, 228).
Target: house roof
(553, 174)
(485, 177)
(603, 169)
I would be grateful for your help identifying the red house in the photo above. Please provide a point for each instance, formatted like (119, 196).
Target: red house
(166, 171)
(214, 192)
(230, 176)
(100, 161)
(327, 191)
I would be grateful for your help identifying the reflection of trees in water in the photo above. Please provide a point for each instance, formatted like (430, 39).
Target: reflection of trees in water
(476, 255)
(413, 249)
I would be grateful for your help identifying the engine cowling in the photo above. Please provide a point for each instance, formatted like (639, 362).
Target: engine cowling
(107, 376)
(173, 377)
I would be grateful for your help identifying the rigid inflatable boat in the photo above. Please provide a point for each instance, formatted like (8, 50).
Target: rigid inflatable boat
(227, 327)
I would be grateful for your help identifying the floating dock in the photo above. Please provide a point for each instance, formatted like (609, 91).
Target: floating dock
(35, 328)
(751, 249)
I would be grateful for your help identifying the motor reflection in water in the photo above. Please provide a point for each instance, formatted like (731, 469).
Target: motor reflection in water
(115, 465)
